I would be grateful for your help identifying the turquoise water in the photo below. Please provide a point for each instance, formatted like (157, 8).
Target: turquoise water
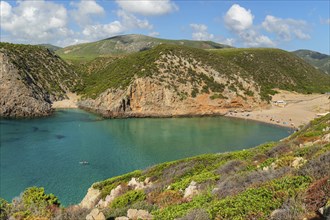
(46, 152)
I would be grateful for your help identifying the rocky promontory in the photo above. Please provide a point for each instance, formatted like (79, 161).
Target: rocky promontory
(31, 79)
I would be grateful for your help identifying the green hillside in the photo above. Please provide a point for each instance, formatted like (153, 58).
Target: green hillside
(39, 66)
(51, 47)
(316, 59)
(288, 179)
(269, 68)
(126, 44)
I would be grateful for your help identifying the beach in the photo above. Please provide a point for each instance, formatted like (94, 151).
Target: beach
(71, 102)
(289, 109)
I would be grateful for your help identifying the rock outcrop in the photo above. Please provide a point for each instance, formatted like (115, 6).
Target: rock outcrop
(91, 198)
(31, 79)
(95, 214)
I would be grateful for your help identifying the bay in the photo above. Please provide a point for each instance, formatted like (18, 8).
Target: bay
(46, 152)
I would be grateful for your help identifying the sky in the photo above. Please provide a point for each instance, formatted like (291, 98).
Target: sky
(289, 25)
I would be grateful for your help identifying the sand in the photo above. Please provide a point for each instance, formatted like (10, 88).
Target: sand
(71, 102)
(298, 110)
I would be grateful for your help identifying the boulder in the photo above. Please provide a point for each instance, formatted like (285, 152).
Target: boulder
(91, 198)
(95, 214)
(122, 218)
(109, 198)
(297, 162)
(191, 190)
(135, 184)
(139, 214)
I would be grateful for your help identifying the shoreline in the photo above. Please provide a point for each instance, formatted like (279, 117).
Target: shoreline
(70, 103)
(295, 110)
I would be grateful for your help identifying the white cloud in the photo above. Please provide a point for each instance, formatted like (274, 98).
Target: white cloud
(36, 21)
(148, 7)
(240, 21)
(286, 29)
(325, 21)
(200, 32)
(103, 30)
(227, 41)
(5, 10)
(153, 34)
(131, 22)
(238, 18)
(126, 22)
(85, 10)
(252, 38)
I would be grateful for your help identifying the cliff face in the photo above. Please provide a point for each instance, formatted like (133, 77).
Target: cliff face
(176, 81)
(31, 79)
(147, 97)
(17, 99)
(192, 88)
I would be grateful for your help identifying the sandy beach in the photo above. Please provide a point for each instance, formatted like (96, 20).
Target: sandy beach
(293, 109)
(71, 102)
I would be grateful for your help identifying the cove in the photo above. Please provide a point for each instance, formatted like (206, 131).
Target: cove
(46, 151)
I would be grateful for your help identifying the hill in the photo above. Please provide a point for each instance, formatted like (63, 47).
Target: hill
(316, 59)
(171, 80)
(51, 47)
(32, 77)
(288, 179)
(126, 44)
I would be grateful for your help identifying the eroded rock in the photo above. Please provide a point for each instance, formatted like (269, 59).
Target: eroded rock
(191, 190)
(91, 198)
(95, 214)
(138, 214)
(109, 198)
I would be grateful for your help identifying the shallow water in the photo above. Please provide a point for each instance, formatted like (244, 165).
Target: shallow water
(47, 151)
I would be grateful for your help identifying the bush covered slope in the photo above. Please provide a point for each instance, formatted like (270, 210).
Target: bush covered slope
(290, 176)
(31, 78)
(268, 68)
(289, 179)
(316, 59)
(126, 44)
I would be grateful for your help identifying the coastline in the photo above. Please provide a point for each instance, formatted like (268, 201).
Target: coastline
(71, 102)
(298, 110)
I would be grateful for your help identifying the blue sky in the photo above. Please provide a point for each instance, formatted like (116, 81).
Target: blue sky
(289, 25)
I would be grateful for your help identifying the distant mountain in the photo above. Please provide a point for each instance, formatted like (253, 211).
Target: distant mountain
(316, 59)
(126, 44)
(50, 47)
(32, 77)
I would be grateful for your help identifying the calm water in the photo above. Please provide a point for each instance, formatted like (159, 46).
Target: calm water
(46, 152)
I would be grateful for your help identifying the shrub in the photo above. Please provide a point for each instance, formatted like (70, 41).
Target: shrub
(197, 214)
(230, 167)
(128, 198)
(317, 167)
(317, 194)
(166, 198)
(5, 209)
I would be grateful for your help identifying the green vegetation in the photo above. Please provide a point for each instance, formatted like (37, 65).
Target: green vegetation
(316, 59)
(39, 67)
(128, 199)
(125, 44)
(172, 65)
(247, 184)
(33, 203)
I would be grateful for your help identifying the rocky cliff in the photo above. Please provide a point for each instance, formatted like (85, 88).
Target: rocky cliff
(31, 79)
(180, 81)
